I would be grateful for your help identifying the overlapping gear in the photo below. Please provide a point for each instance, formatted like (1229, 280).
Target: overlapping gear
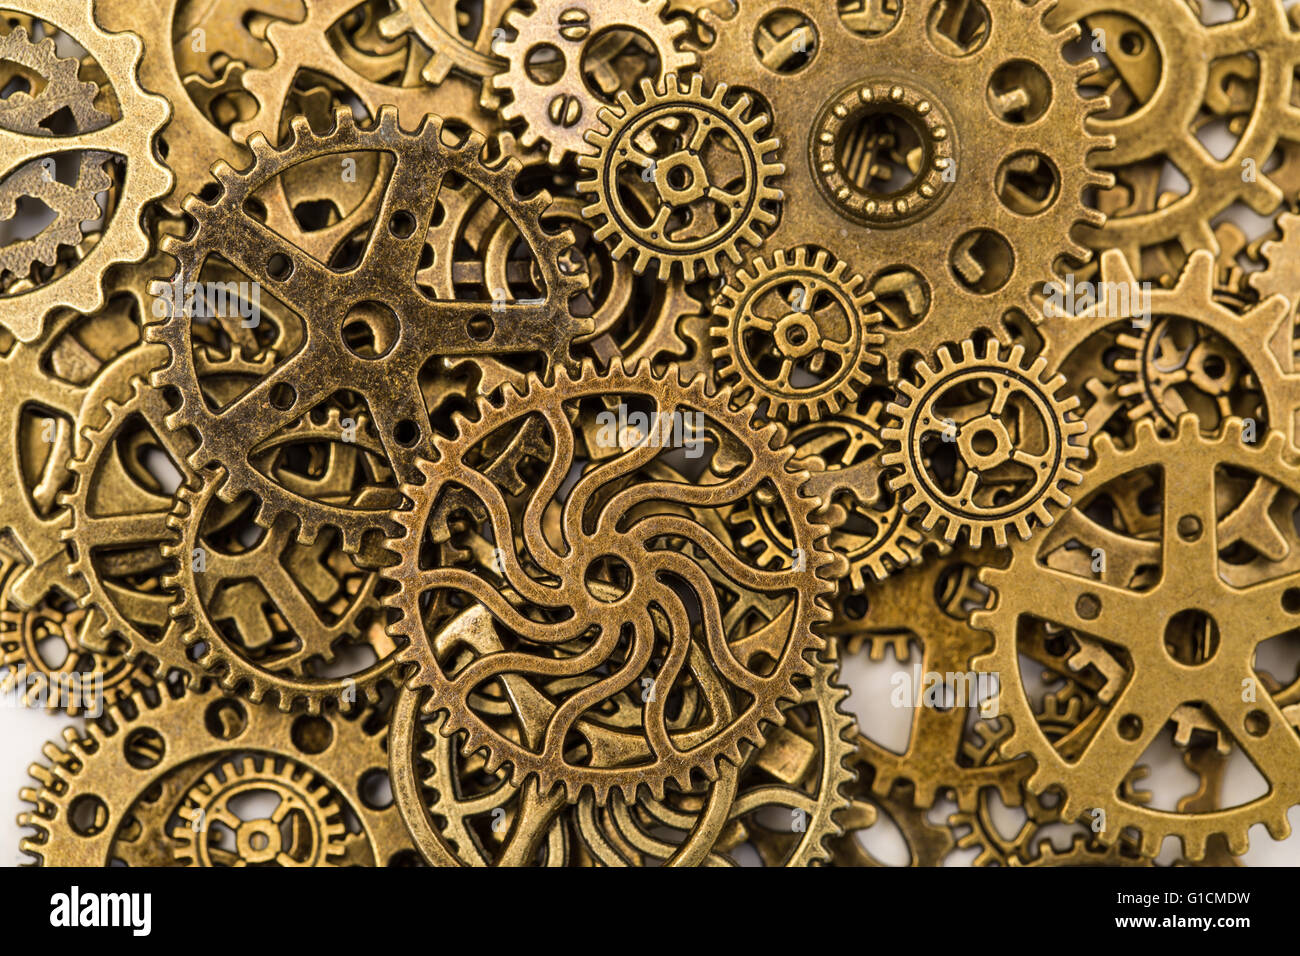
(496, 433)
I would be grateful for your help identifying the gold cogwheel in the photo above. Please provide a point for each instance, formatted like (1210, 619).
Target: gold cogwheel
(1141, 623)
(580, 600)
(984, 442)
(706, 161)
(796, 334)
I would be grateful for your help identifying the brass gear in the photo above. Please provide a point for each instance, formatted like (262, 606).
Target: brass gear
(562, 110)
(1182, 350)
(602, 587)
(140, 116)
(86, 794)
(304, 828)
(999, 482)
(1161, 676)
(438, 24)
(305, 46)
(961, 234)
(709, 129)
(383, 295)
(796, 335)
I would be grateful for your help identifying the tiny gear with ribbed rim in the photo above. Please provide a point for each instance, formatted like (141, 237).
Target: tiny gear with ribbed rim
(796, 334)
(562, 110)
(680, 176)
(1002, 478)
(599, 578)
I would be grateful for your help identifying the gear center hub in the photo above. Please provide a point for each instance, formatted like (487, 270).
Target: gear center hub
(870, 125)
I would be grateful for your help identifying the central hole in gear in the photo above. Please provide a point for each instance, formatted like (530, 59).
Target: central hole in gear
(881, 153)
(1192, 637)
(608, 578)
(984, 442)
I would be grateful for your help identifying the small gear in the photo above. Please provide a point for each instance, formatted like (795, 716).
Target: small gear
(602, 580)
(564, 107)
(712, 179)
(796, 335)
(304, 827)
(995, 423)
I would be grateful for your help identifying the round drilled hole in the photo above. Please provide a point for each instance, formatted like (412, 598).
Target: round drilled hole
(1019, 92)
(406, 433)
(279, 267)
(225, 719)
(402, 224)
(283, 396)
(1291, 600)
(1256, 723)
(958, 28)
(1028, 183)
(369, 330)
(311, 735)
(87, 815)
(982, 261)
(1130, 726)
(375, 790)
(544, 64)
(1189, 527)
(1088, 606)
(480, 328)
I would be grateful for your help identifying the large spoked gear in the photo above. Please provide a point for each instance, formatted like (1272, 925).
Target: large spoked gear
(947, 152)
(87, 796)
(1166, 653)
(984, 442)
(565, 106)
(24, 111)
(795, 336)
(706, 159)
(1172, 76)
(128, 139)
(576, 585)
(304, 827)
(369, 328)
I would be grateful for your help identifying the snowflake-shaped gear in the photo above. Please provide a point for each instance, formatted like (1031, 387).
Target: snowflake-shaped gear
(1140, 622)
(412, 312)
(701, 214)
(562, 110)
(796, 334)
(1012, 452)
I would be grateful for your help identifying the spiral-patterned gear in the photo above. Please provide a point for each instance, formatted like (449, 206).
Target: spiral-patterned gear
(796, 335)
(602, 583)
(674, 229)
